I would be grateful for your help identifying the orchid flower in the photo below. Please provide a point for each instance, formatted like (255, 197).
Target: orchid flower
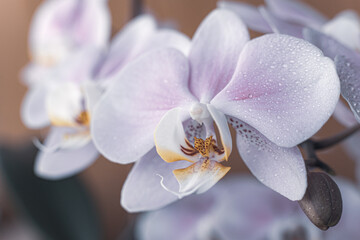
(60, 28)
(241, 208)
(66, 100)
(259, 87)
(291, 16)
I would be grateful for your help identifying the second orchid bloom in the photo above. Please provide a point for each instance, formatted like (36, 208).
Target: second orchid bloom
(276, 91)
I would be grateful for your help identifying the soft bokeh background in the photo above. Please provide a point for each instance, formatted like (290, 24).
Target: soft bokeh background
(105, 179)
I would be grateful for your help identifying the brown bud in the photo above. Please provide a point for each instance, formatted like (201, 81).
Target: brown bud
(322, 201)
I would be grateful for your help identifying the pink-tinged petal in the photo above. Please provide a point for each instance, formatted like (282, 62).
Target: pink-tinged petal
(116, 59)
(349, 73)
(33, 109)
(63, 163)
(125, 119)
(169, 38)
(296, 11)
(249, 14)
(252, 206)
(33, 74)
(328, 44)
(345, 28)
(344, 115)
(81, 67)
(283, 86)
(142, 190)
(128, 44)
(281, 26)
(281, 169)
(185, 219)
(61, 27)
(214, 52)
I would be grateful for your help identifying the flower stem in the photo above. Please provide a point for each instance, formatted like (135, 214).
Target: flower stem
(329, 142)
(310, 146)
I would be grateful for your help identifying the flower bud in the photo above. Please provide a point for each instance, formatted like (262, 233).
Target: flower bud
(322, 201)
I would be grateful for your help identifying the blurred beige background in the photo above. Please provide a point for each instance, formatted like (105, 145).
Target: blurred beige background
(104, 178)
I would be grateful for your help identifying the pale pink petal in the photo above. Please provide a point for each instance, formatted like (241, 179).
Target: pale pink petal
(185, 219)
(345, 28)
(142, 190)
(214, 52)
(61, 27)
(250, 208)
(127, 44)
(296, 11)
(330, 46)
(34, 73)
(281, 26)
(81, 67)
(33, 109)
(169, 38)
(344, 115)
(125, 119)
(281, 169)
(349, 73)
(63, 163)
(249, 14)
(283, 86)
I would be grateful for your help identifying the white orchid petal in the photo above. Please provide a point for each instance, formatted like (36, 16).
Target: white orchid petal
(249, 14)
(296, 11)
(281, 169)
(345, 28)
(278, 88)
(142, 190)
(70, 156)
(33, 109)
(170, 137)
(349, 74)
(216, 46)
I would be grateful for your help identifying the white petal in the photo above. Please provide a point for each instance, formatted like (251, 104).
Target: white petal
(63, 163)
(281, 169)
(142, 190)
(345, 28)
